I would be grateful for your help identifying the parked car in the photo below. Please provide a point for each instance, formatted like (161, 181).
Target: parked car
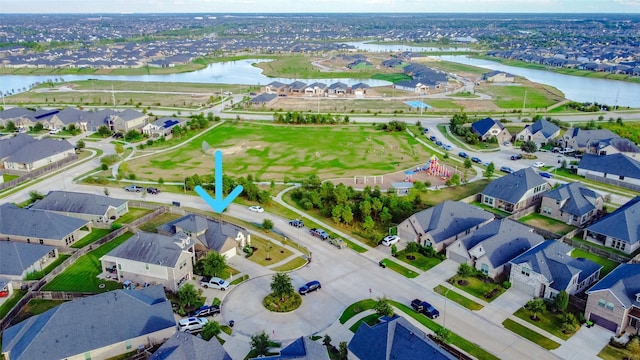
(463, 155)
(118, 135)
(545, 175)
(296, 223)
(432, 138)
(439, 143)
(447, 147)
(152, 190)
(54, 131)
(206, 310)
(538, 164)
(426, 130)
(476, 160)
(133, 188)
(390, 240)
(309, 287)
(424, 307)
(319, 233)
(337, 242)
(516, 157)
(256, 208)
(506, 169)
(506, 143)
(192, 324)
(214, 283)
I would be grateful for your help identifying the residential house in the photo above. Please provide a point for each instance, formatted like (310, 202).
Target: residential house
(184, 346)
(617, 169)
(96, 119)
(40, 227)
(17, 259)
(586, 140)
(614, 301)
(297, 87)
(127, 120)
(539, 132)
(490, 248)
(315, 89)
(275, 87)
(620, 229)
(488, 128)
(515, 192)
(209, 234)
(162, 127)
(546, 269)
(618, 145)
(93, 327)
(96, 208)
(14, 115)
(264, 99)
(572, 203)
(153, 259)
(66, 117)
(24, 153)
(394, 338)
(442, 224)
(359, 89)
(498, 77)
(302, 348)
(338, 88)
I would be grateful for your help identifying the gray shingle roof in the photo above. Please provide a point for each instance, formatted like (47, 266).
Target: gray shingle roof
(153, 248)
(617, 164)
(622, 224)
(592, 137)
(16, 257)
(579, 199)
(14, 144)
(215, 234)
(623, 282)
(79, 203)
(553, 260)
(71, 115)
(37, 224)
(184, 346)
(94, 322)
(40, 149)
(546, 128)
(395, 339)
(301, 348)
(450, 218)
(264, 97)
(502, 240)
(130, 114)
(622, 144)
(512, 187)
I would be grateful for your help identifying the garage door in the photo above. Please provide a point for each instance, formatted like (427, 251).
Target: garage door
(456, 257)
(607, 324)
(525, 288)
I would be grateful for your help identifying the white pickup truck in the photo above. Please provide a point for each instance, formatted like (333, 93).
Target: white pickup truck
(214, 283)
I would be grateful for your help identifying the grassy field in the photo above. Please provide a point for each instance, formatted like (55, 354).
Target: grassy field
(607, 265)
(11, 302)
(133, 214)
(611, 353)
(274, 152)
(548, 321)
(513, 97)
(530, 335)
(546, 223)
(94, 235)
(82, 275)
(267, 249)
(458, 298)
(151, 225)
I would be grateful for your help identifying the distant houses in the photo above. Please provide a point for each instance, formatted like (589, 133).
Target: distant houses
(23, 153)
(540, 132)
(498, 77)
(488, 128)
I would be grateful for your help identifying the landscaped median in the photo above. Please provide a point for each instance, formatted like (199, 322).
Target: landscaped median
(530, 335)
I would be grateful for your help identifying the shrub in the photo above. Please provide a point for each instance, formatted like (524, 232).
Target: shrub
(506, 284)
(104, 167)
(412, 247)
(465, 270)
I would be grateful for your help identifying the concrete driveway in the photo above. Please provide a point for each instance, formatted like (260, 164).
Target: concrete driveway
(584, 344)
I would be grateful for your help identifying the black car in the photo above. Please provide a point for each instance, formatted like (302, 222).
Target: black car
(516, 157)
(432, 138)
(476, 160)
(152, 190)
(207, 310)
(506, 169)
(296, 223)
(309, 287)
(463, 154)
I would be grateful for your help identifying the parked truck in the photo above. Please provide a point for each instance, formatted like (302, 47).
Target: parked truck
(425, 308)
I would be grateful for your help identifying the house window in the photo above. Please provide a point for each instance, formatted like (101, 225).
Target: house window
(87, 356)
(485, 269)
(146, 266)
(546, 210)
(526, 271)
(28, 241)
(602, 303)
(610, 306)
(488, 200)
(621, 177)
(119, 266)
(128, 344)
(41, 241)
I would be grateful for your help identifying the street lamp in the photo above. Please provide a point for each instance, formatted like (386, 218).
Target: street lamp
(444, 318)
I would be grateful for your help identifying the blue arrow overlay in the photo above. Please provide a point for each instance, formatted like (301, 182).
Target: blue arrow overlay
(220, 202)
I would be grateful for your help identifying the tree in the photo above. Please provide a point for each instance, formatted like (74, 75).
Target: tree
(131, 135)
(80, 145)
(465, 270)
(214, 264)
(347, 214)
(38, 127)
(561, 302)
(488, 172)
(634, 347)
(336, 213)
(119, 148)
(211, 329)
(382, 307)
(281, 285)
(267, 224)
(467, 163)
(368, 224)
(260, 343)
(35, 196)
(443, 334)
(187, 295)
(104, 131)
(326, 341)
(11, 126)
(536, 306)
(529, 147)
(343, 350)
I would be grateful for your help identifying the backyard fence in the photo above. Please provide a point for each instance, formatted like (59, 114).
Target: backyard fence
(35, 173)
(597, 251)
(450, 349)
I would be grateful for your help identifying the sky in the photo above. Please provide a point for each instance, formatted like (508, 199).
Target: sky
(314, 6)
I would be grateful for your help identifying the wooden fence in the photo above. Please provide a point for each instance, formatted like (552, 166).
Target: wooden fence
(597, 251)
(35, 173)
(450, 349)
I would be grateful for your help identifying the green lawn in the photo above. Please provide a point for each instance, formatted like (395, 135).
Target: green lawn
(612, 353)
(37, 275)
(607, 265)
(11, 302)
(151, 225)
(355, 247)
(530, 335)
(267, 250)
(239, 280)
(35, 307)
(547, 223)
(399, 269)
(356, 308)
(477, 287)
(133, 214)
(82, 275)
(548, 321)
(458, 298)
(93, 236)
(370, 319)
(421, 262)
(491, 209)
(291, 265)
(513, 97)
(9, 177)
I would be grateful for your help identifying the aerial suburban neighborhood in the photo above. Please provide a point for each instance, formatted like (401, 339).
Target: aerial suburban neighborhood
(319, 186)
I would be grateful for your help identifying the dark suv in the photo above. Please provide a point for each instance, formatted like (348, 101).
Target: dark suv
(319, 233)
(309, 287)
(152, 190)
(207, 310)
(296, 223)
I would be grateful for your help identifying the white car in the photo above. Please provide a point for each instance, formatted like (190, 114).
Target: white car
(54, 131)
(256, 208)
(192, 324)
(390, 240)
(538, 164)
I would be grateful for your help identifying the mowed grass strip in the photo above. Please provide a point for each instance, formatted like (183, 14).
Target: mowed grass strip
(399, 269)
(291, 265)
(271, 151)
(81, 276)
(458, 298)
(530, 335)
(356, 308)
